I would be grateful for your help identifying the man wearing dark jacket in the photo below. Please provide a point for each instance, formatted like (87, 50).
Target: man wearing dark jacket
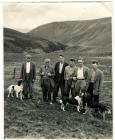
(28, 75)
(59, 77)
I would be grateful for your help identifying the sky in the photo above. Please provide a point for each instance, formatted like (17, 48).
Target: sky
(27, 16)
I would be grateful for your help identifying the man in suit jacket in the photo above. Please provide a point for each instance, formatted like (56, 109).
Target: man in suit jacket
(59, 77)
(47, 83)
(28, 75)
(95, 82)
(80, 77)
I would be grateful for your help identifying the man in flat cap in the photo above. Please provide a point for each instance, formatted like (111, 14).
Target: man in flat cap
(94, 82)
(47, 74)
(59, 77)
(69, 73)
(28, 75)
(81, 77)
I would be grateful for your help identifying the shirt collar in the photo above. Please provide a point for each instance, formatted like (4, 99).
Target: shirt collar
(61, 63)
(80, 67)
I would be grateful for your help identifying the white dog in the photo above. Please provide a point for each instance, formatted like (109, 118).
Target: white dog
(17, 89)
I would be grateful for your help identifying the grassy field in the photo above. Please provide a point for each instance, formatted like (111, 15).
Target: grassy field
(26, 119)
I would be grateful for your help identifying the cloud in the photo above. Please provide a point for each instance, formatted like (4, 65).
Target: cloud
(26, 16)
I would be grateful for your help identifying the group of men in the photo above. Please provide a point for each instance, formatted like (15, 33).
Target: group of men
(71, 78)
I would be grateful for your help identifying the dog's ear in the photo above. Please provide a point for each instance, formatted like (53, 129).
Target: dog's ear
(83, 90)
(19, 82)
(87, 93)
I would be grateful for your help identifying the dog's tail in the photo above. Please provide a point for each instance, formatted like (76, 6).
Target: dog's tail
(10, 87)
(7, 89)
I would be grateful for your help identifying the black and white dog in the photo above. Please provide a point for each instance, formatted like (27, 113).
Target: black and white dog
(85, 100)
(16, 89)
(88, 104)
(77, 101)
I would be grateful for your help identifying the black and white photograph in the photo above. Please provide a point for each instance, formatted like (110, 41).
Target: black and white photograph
(58, 70)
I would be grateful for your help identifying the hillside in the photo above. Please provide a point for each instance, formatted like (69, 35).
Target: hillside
(91, 36)
(15, 41)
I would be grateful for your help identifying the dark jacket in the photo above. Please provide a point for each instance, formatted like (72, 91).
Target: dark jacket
(59, 77)
(32, 71)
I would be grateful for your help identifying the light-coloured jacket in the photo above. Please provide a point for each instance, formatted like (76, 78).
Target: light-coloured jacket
(45, 75)
(69, 72)
(46, 71)
(98, 81)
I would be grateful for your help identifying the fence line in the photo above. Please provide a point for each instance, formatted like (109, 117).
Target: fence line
(107, 81)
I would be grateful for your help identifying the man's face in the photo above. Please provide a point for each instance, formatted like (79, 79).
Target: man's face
(80, 63)
(71, 63)
(47, 63)
(28, 59)
(61, 59)
(94, 66)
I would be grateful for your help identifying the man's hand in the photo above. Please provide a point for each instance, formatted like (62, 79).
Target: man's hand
(74, 78)
(42, 73)
(49, 74)
(33, 81)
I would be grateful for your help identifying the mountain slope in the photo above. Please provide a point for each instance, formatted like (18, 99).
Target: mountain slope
(90, 35)
(15, 41)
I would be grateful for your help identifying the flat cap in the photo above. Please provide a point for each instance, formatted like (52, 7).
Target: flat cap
(28, 56)
(61, 55)
(72, 59)
(94, 62)
(80, 58)
(47, 60)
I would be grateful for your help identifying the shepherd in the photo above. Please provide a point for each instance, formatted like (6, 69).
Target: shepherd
(28, 75)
